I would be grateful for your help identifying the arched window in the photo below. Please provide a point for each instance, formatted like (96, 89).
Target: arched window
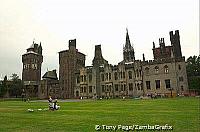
(166, 69)
(156, 69)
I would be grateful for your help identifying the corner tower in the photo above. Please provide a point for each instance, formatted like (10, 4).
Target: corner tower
(69, 61)
(31, 73)
(175, 42)
(128, 50)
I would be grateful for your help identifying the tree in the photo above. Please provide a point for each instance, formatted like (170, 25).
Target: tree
(193, 72)
(3, 87)
(16, 86)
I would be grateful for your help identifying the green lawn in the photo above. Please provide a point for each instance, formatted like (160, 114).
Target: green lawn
(182, 113)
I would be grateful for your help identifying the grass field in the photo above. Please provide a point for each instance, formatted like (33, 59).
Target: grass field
(182, 113)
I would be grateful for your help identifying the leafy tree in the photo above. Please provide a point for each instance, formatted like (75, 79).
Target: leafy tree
(193, 72)
(16, 85)
(3, 87)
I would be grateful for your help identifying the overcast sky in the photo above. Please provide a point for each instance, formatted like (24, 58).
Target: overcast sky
(93, 22)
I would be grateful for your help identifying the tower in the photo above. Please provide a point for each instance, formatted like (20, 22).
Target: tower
(175, 42)
(31, 74)
(128, 50)
(69, 61)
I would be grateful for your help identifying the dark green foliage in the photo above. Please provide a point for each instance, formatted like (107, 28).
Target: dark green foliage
(3, 87)
(193, 72)
(16, 86)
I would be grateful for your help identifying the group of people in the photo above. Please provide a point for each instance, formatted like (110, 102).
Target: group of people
(53, 104)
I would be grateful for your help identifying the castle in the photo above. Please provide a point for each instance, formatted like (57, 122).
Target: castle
(165, 75)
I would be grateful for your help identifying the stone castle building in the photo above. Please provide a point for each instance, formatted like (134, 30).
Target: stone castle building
(31, 73)
(164, 75)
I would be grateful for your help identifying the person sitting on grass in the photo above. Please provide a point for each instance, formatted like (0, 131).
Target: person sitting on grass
(50, 103)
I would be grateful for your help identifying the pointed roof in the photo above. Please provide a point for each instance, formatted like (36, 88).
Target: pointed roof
(127, 43)
(127, 39)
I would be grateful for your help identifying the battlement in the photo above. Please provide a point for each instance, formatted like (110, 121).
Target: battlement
(161, 61)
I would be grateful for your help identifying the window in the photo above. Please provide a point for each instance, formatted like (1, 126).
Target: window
(90, 77)
(167, 83)
(78, 79)
(102, 77)
(157, 84)
(124, 87)
(179, 67)
(115, 74)
(81, 78)
(121, 87)
(166, 70)
(138, 86)
(147, 70)
(90, 89)
(81, 90)
(148, 85)
(130, 86)
(130, 74)
(102, 88)
(181, 79)
(85, 79)
(137, 72)
(85, 89)
(106, 76)
(140, 73)
(182, 88)
(110, 88)
(116, 87)
(109, 76)
(156, 69)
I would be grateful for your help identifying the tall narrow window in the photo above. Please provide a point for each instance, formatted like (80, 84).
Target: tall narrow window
(78, 79)
(167, 83)
(109, 76)
(130, 86)
(102, 77)
(90, 89)
(130, 74)
(85, 78)
(157, 84)
(90, 77)
(115, 74)
(116, 87)
(148, 84)
(106, 76)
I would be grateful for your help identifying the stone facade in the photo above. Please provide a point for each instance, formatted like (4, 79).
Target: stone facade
(69, 61)
(31, 73)
(164, 76)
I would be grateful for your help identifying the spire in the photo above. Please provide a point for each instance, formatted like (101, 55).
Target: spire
(128, 43)
(128, 50)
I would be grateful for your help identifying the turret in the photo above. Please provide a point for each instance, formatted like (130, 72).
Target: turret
(98, 58)
(72, 44)
(175, 42)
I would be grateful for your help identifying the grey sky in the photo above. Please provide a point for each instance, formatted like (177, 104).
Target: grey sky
(92, 22)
